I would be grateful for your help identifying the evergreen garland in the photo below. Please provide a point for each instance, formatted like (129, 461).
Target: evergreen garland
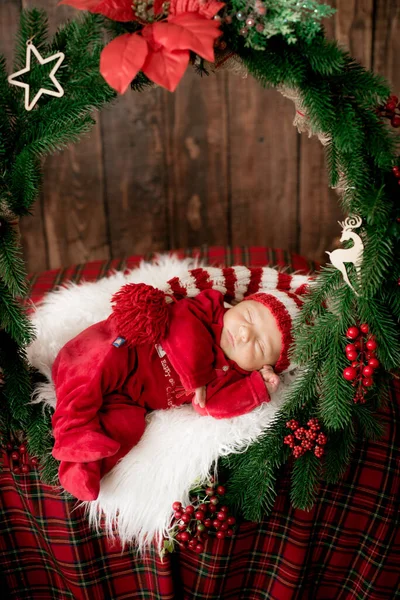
(25, 139)
(340, 99)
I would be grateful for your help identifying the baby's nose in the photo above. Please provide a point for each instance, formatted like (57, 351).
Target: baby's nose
(244, 333)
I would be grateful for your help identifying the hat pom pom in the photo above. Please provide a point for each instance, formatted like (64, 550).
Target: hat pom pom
(141, 313)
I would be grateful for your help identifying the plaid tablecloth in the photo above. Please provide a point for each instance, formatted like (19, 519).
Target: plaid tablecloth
(347, 547)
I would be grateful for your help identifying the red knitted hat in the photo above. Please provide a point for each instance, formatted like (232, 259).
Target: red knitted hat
(284, 306)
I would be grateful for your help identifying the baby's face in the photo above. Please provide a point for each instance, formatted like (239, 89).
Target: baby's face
(250, 336)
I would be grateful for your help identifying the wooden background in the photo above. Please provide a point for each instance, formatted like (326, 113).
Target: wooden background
(218, 162)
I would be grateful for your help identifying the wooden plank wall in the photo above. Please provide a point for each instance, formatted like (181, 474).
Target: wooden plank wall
(216, 163)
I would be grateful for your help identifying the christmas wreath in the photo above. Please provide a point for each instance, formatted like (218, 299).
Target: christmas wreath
(347, 336)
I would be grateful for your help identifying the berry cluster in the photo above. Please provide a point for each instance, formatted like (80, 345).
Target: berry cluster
(396, 173)
(195, 521)
(391, 110)
(19, 459)
(361, 354)
(303, 440)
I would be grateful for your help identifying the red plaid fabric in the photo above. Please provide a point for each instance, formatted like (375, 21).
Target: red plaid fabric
(347, 547)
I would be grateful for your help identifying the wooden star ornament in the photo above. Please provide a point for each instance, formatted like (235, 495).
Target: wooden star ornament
(57, 93)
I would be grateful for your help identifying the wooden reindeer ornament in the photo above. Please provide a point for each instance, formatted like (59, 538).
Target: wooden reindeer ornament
(348, 255)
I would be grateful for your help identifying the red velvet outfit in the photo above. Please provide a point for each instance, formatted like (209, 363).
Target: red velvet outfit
(105, 387)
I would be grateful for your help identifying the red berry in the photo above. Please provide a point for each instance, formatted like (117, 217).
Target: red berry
(352, 333)
(306, 444)
(22, 449)
(368, 371)
(393, 98)
(224, 509)
(189, 509)
(298, 451)
(390, 106)
(349, 373)
(16, 470)
(357, 345)
(185, 518)
(354, 364)
(364, 327)
(231, 520)
(214, 500)
(199, 548)
(207, 523)
(322, 439)
(371, 344)
(9, 447)
(210, 491)
(178, 514)
(374, 363)
(25, 469)
(352, 355)
(396, 171)
(203, 507)
(182, 526)
(34, 461)
(311, 435)
(184, 536)
(221, 490)
(224, 526)
(289, 440)
(300, 433)
(367, 382)
(193, 543)
(313, 424)
(221, 516)
(350, 348)
(177, 506)
(229, 533)
(201, 527)
(292, 424)
(212, 508)
(221, 535)
(217, 523)
(199, 515)
(15, 456)
(395, 121)
(318, 451)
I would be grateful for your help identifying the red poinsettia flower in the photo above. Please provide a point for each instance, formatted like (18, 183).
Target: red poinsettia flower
(160, 49)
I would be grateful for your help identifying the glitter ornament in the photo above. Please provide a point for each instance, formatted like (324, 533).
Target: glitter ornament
(240, 16)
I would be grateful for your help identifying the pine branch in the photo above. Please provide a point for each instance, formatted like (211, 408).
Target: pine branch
(12, 265)
(305, 476)
(339, 450)
(374, 312)
(17, 387)
(33, 26)
(12, 319)
(369, 426)
(336, 394)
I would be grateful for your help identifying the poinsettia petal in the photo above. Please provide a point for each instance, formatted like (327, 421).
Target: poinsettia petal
(122, 59)
(188, 31)
(208, 9)
(166, 68)
(117, 10)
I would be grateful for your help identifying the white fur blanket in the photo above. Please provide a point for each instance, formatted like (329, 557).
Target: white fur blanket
(179, 446)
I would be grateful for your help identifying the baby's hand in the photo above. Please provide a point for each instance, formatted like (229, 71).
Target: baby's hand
(200, 396)
(271, 379)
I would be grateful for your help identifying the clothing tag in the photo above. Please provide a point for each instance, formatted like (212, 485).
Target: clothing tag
(119, 342)
(160, 351)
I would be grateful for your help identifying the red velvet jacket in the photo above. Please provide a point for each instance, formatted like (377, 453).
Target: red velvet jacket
(98, 369)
